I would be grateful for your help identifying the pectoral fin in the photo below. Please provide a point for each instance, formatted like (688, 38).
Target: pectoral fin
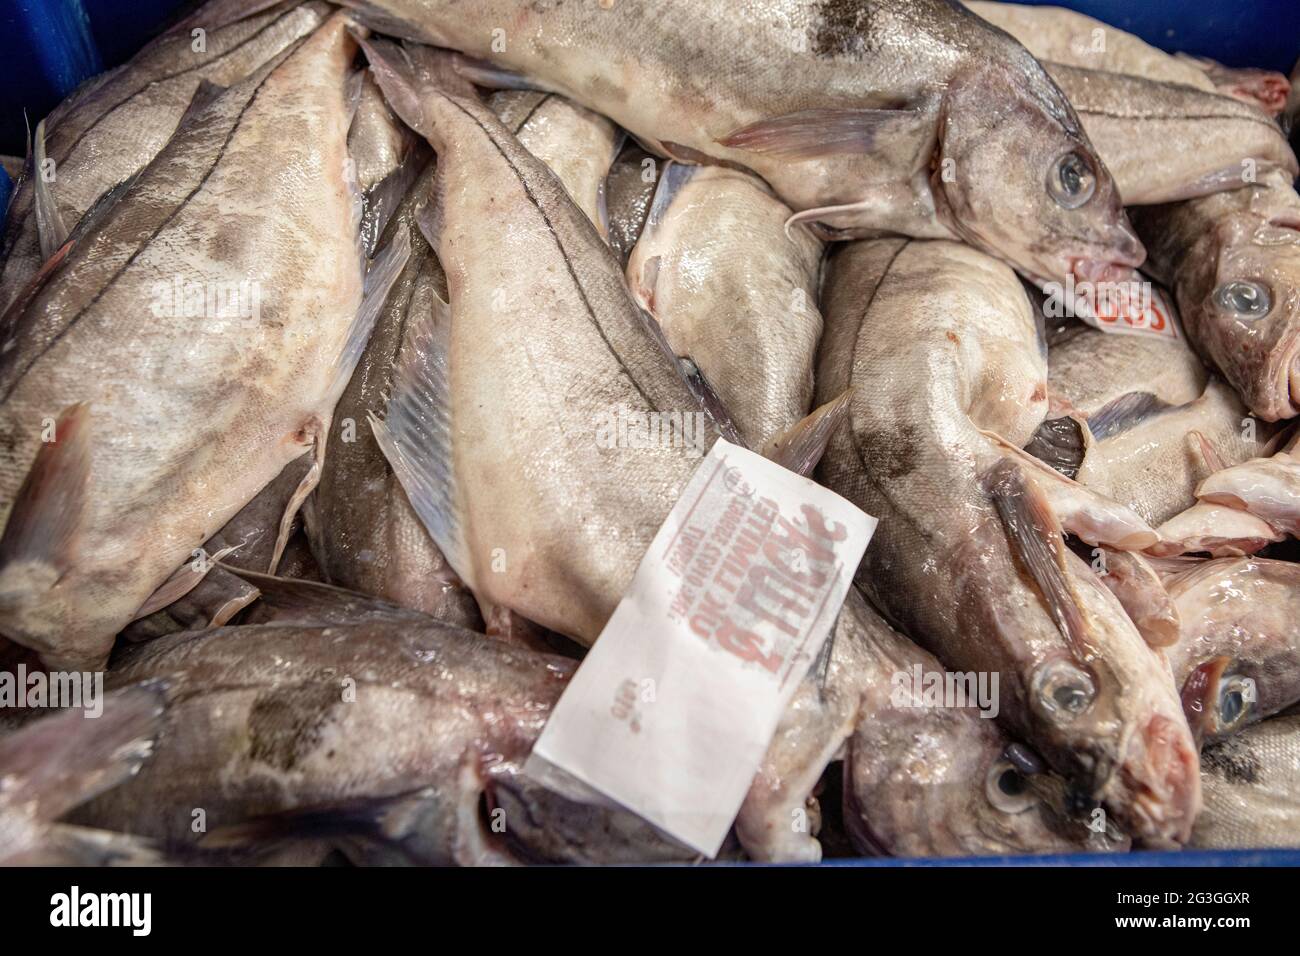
(801, 446)
(49, 221)
(814, 134)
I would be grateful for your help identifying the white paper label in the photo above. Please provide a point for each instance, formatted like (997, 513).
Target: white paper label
(1136, 306)
(674, 707)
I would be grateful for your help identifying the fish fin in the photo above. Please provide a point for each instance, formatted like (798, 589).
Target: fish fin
(314, 603)
(386, 819)
(1142, 595)
(100, 208)
(1087, 515)
(1218, 529)
(216, 14)
(489, 76)
(1209, 454)
(1121, 414)
(47, 509)
(182, 581)
(801, 446)
(352, 89)
(67, 845)
(316, 434)
(384, 270)
(406, 73)
(1060, 443)
(428, 216)
(1036, 539)
(415, 434)
(701, 388)
(674, 176)
(60, 761)
(386, 196)
(49, 221)
(812, 134)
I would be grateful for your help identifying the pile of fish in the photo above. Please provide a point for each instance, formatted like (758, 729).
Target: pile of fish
(306, 328)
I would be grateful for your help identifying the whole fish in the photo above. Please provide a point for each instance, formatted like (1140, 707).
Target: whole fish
(1075, 39)
(192, 342)
(1164, 142)
(1238, 660)
(1251, 784)
(1233, 262)
(733, 292)
(938, 343)
(577, 145)
(494, 424)
(112, 126)
(383, 737)
(1057, 35)
(921, 779)
(363, 529)
(54, 763)
(912, 117)
(629, 193)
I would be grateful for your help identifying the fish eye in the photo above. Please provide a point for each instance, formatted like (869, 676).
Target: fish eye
(1063, 690)
(1006, 788)
(1234, 702)
(1071, 181)
(1249, 300)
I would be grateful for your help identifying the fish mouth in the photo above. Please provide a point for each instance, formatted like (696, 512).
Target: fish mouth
(1122, 253)
(1277, 395)
(1159, 784)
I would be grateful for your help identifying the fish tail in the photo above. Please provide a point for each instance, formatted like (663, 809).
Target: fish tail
(416, 80)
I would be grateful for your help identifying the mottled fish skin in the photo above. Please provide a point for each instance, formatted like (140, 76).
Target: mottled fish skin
(890, 106)
(534, 511)
(1164, 142)
(1233, 261)
(919, 780)
(939, 344)
(629, 191)
(111, 128)
(1064, 36)
(1251, 784)
(363, 530)
(577, 145)
(734, 293)
(183, 420)
(383, 736)
(1238, 659)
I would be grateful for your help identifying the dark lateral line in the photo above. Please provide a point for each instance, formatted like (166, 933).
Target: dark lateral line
(1178, 119)
(536, 106)
(582, 293)
(72, 147)
(234, 128)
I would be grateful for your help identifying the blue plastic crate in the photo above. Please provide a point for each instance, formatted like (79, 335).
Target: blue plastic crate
(48, 47)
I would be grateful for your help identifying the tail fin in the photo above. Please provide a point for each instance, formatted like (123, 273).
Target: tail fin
(412, 77)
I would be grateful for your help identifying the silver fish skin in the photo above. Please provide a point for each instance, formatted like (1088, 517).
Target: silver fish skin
(577, 145)
(381, 737)
(866, 118)
(363, 530)
(1064, 36)
(629, 193)
(53, 763)
(1233, 262)
(495, 425)
(733, 292)
(1164, 142)
(919, 780)
(1238, 660)
(169, 424)
(1251, 784)
(948, 382)
(113, 126)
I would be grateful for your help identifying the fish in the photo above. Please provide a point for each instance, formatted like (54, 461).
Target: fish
(1266, 488)
(1163, 142)
(494, 424)
(53, 763)
(393, 739)
(1233, 263)
(159, 425)
(362, 528)
(939, 344)
(386, 157)
(629, 192)
(1057, 35)
(865, 118)
(733, 292)
(1267, 90)
(577, 145)
(919, 780)
(115, 124)
(1238, 659)
(1251, 783)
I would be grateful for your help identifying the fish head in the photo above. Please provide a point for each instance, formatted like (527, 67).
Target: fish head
(1015, 175)
(1240, 297)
